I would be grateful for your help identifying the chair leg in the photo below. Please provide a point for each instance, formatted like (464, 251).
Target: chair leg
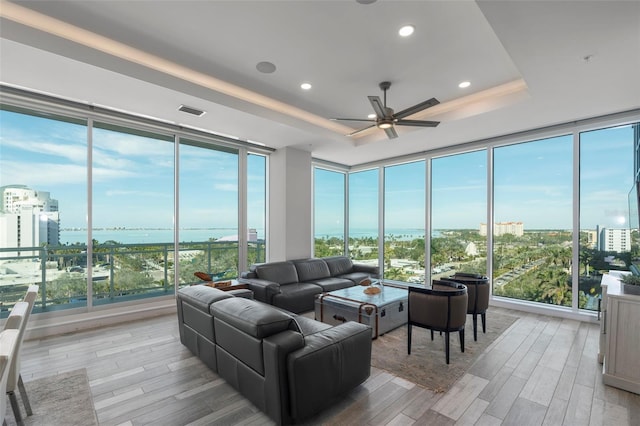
(475, 327)
(15, 407)
(25, 398)
(462, 340)
(446, 345)
(431, 334)
(484, 322)
(409, 339)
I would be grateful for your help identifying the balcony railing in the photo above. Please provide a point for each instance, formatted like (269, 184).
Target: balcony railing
(119, 272)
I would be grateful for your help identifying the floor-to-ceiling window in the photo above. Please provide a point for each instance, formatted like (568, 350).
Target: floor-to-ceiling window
(404, 221)
(532, 229)
(82, 183)
(329, 212)
(43, 210)
(208, 211)
(459, 214)
(132, 212)
(363, 216)
(256, 208)
(608, 240)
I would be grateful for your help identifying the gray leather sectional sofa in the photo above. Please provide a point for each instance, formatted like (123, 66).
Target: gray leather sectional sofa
(293, 285)
(291, 367)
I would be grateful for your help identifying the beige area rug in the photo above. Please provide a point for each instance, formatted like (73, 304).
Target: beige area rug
(426, 366)
(63, 399)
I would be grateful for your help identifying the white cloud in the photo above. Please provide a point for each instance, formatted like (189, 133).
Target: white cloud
(42, 175)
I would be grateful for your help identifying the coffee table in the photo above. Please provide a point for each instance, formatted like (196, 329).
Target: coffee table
(383, 311)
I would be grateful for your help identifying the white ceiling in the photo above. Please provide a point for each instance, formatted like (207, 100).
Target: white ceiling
(525, 61)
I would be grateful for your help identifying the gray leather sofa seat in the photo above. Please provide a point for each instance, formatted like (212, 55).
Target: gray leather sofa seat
(343, 267)
(290, 367)
(294, 285)
(316, 271)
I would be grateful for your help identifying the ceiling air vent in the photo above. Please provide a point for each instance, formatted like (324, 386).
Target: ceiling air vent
(191, 110)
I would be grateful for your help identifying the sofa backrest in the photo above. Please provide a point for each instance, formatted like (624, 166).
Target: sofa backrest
(255, 321)
(311, 269)
(339, 265)
(278, 272)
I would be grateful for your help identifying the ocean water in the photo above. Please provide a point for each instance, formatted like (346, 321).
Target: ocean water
(134, 236)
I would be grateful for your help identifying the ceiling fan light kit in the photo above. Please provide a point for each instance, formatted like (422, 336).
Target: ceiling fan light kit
(385, 117)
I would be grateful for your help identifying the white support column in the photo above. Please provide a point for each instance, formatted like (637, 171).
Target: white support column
(290, 205)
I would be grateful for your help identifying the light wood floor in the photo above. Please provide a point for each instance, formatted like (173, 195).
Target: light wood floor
(541, 371)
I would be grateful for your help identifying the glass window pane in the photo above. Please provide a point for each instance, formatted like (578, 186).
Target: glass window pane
(43, 212)
(208, 211)
(328, 212)
(533, 221)
(404, 221)
(256, 207)
(363, 216)
(458, 207)
(606, 178)
(132, 214)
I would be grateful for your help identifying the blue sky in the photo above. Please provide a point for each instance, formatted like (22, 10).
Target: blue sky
(133, 181)
(533, 184)
(132, 176)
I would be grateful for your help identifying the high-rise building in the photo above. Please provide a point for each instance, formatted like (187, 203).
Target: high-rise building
(501, 228)
(615, 239)
(28, 218)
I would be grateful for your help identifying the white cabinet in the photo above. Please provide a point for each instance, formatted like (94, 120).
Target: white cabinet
(621, 326)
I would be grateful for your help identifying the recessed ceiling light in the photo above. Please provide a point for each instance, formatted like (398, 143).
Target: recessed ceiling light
(371, 116)
(305, 86)
(464, 84)
(265, 67)
(406, 31)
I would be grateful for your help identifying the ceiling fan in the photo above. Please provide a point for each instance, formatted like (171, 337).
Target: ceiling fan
(386, 119)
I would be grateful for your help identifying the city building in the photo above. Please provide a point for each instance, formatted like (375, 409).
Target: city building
(502, 228)
(615, 239)
(592, 237)
(28, 218)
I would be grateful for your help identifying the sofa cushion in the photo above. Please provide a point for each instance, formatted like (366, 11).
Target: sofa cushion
(311, 269)
(278, 272)
(252, 317)
(297, 297)
(339, 265)
(356, 277)
(201, 296)
(333, 283)
(309, 326)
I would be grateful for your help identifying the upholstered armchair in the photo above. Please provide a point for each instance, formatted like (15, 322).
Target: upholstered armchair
(441, 308)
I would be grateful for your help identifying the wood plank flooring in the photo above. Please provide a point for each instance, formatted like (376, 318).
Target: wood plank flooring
(541, 371)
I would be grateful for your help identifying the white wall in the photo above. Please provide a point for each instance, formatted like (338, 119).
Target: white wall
(290, 227)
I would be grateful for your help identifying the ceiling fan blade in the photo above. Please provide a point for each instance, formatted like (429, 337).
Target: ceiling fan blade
(377, 105)
(417, 123)
(391, 133)
(361, 130)
(352, 119)
(416, 108)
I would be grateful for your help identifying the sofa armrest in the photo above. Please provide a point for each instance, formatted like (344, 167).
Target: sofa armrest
(263, 290)
(373, 270)
(276, 351)
(344, 351)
